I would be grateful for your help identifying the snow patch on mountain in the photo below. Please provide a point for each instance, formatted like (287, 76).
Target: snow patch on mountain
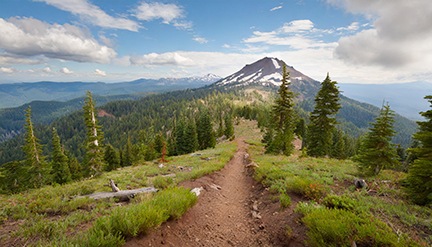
(276, 64)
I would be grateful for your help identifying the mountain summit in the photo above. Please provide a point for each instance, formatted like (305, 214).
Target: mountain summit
(267, 72)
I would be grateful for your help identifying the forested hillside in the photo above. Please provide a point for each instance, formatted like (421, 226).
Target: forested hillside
(157, 113)
(44, 112)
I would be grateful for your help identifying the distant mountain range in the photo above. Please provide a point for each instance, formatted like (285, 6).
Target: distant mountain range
(406, 99)
(12, 95)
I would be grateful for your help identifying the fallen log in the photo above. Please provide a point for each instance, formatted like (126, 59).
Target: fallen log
(122, 195)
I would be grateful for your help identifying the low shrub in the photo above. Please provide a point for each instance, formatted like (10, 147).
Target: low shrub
(338, 227)
(339, 202)
(285, 200)
(139, 218)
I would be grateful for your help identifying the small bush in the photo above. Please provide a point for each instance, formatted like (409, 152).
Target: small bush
(285, 200)
(305, 187)
(339, 202)
(304, 208)
(162, 182)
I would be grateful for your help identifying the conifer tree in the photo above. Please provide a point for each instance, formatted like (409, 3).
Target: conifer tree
(159, 143)
(280, 134)
(59, 164)
(300, 128)
(191, 137)
(419, 180)
(181, 140)
(229, 127)
(128, 156)
(337, 149)
(93, 160)
(376, 152)
(323, 119)
(220, 130)
(38, 169)
(121, 159)
(205, 132)
(15, 177)
(74, 166)
(111, 158)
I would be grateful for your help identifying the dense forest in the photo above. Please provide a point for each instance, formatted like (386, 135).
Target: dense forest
(154, 125)
(12, 119)
(155, 113)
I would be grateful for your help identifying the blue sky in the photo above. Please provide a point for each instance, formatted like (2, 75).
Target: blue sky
(357, 41)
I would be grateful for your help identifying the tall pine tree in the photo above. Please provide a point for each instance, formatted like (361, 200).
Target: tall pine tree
(111, 158)
(280, 134)
(419, 180)
(323, 119)
(191, 137)
(38, 169)
(205, 132)
(229, 127)
(181, 141)
(59, 164)
(93, 161)
(376, 152)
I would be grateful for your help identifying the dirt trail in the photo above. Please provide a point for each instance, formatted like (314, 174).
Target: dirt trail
(232, 210)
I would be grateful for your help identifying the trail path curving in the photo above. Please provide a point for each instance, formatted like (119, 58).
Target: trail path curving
(232, 210)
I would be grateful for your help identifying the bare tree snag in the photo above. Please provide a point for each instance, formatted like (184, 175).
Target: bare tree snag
(113, 186)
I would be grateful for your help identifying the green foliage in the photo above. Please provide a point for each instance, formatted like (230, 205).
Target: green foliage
(323, 119)
(279, 135)
(160, 182)
(38, 168)
(93, 160)
(140, 218)
(127, 155)
(339, 202)
(191, 137)
(285, 200)
(336, 227)
(419, 180)
(16, 179)
(59, 164)
(229, 127)
(376, 151)
(111, 158)
(205, 132)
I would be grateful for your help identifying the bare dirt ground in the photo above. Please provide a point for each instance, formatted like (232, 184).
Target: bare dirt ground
(232, 210)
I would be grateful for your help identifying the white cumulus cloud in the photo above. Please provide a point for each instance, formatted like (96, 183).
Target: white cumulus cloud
(65, 70)
(99, 72)
(93, 14)
(7, 70)
(169, 13)
(7, 59)
(200, 39)
(401, 34)
(298, 34)
(46, 70)
(164, 59)
(28, 37)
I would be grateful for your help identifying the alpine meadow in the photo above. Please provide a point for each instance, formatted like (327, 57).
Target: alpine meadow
(215, 123)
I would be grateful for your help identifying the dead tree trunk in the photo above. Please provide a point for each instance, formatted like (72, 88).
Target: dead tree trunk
(113, 186)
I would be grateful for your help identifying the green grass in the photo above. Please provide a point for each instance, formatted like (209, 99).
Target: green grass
(334, 212)
(50, 217)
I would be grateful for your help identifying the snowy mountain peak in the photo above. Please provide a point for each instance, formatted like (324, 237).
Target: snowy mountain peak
(267, 72)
